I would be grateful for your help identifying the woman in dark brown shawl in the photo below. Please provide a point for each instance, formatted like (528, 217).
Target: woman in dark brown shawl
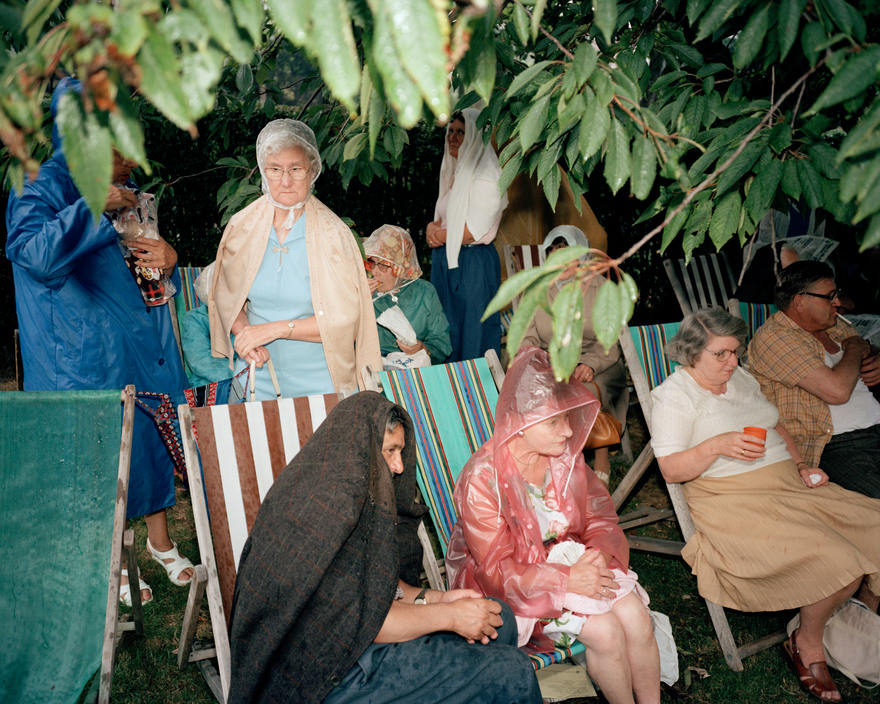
(334, 539)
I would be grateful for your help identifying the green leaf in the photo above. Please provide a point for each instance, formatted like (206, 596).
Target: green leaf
(400, 91)
(200, 72)
(35, 15)
(791, 182)
(863, 136)
(129, 31)
(160, 79)
(811, 183)
(725, 219)
(218, 19)
(509, 172)
(789, 18)
(354, 146)
(740, 166)
(751, 39)
(364, 100)
(872, 235)
(695, 8)
(333, 43)
(629, 294)
(644, 166)
(812, 38)
(717, 15)
(421, 40)
(521, 23)
(516, 284)
(858, 74)
(780, 137)
(585, 58)
(393, 141)
(571, 111)
(377, 115)
(870, 204)
(127, 133)
(605, 12)
(293, 18)
(249, 15)
(88, 149)
(763, 189)
(567, 310)
(533, 124)
(551, 183)
(594, 125)
(533, 297)
(537, 14)
(617, 158)
(608, 314)
(484, 70)
(673, 227)
(521, 79)
(839, 12)
(601, 83)
(244, 79)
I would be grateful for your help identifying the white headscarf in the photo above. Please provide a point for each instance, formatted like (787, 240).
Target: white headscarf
(282, 134)
(474, 199)
(574, 236)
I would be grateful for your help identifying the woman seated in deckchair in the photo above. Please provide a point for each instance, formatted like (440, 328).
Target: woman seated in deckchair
(397, 283)
(771, 532)
(537, 529)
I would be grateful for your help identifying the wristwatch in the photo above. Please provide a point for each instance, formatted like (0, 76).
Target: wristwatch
(421, 598)
(291, 324)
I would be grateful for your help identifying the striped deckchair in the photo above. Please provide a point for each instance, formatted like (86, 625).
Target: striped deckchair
(705, 281)
(644, 351)
(519, 257)
(187, 294)
(243, 448)
(755, 314)
(452, 407)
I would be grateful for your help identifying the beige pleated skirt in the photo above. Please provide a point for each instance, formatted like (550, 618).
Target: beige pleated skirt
(766, 542)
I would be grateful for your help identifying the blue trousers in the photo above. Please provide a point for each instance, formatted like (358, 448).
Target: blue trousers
(442, 668)
(464, 294)
(853, 460)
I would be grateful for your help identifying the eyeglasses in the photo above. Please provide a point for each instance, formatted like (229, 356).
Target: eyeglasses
(297, 173)
(723, 355)
(836, 293)
(379, 264)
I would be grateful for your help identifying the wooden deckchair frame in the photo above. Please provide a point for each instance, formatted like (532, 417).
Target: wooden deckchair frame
(206, 581)
(733, 653)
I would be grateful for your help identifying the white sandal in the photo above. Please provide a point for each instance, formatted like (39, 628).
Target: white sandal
(173, 569)
(125, 590)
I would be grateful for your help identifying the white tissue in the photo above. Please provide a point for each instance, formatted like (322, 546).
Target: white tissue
(394, 319)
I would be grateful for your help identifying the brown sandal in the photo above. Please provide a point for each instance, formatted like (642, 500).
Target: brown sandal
(815, 679)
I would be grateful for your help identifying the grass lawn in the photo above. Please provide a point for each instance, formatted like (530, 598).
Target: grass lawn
(146, 669)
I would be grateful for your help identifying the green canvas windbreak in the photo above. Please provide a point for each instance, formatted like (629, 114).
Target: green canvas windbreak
(59, 456)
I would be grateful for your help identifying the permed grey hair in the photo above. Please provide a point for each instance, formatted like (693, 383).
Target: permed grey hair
(696, 329)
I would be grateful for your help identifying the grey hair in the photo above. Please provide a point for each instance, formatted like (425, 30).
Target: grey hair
(797, 277)
(395, 417)
(284, 133)
(696, 329)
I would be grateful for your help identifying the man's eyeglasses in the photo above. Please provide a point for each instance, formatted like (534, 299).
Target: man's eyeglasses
(723, 355)
(297, 173)
(836, 293)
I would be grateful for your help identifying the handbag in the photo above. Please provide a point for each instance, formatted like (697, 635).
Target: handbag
(162, 407)
(606, 429)
(852, 642)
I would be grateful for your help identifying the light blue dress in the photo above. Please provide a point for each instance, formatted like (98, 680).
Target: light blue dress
(282, 291)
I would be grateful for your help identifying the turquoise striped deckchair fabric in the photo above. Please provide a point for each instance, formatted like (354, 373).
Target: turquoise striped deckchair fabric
(650, 341)
(452, 408)
(187, 294)
(755, 315)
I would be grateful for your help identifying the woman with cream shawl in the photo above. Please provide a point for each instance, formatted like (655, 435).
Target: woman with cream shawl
(289, 282)
(464, 269)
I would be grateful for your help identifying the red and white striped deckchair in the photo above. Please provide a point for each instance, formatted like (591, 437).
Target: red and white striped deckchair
(243, 448)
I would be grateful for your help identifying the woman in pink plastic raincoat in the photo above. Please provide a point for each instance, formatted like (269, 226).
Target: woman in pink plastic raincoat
(538, 529)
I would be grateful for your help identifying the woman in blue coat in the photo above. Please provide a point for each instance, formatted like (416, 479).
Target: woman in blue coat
(83, 323)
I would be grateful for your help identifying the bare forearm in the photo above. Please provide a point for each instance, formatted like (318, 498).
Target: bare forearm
(688, 464)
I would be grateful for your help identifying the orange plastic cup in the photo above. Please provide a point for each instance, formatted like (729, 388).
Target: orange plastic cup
(760, 433)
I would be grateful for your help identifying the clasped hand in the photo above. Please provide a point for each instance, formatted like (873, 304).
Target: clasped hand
(473, 617)
(155, 253)
(590, 576)
(250, 343)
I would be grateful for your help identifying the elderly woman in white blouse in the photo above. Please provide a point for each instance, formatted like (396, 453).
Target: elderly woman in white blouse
(771, 532)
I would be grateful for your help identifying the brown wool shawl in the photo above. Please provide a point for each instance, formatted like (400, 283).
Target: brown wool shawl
(340, 292)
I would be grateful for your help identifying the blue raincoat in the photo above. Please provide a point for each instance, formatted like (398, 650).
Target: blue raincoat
(82, 321)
